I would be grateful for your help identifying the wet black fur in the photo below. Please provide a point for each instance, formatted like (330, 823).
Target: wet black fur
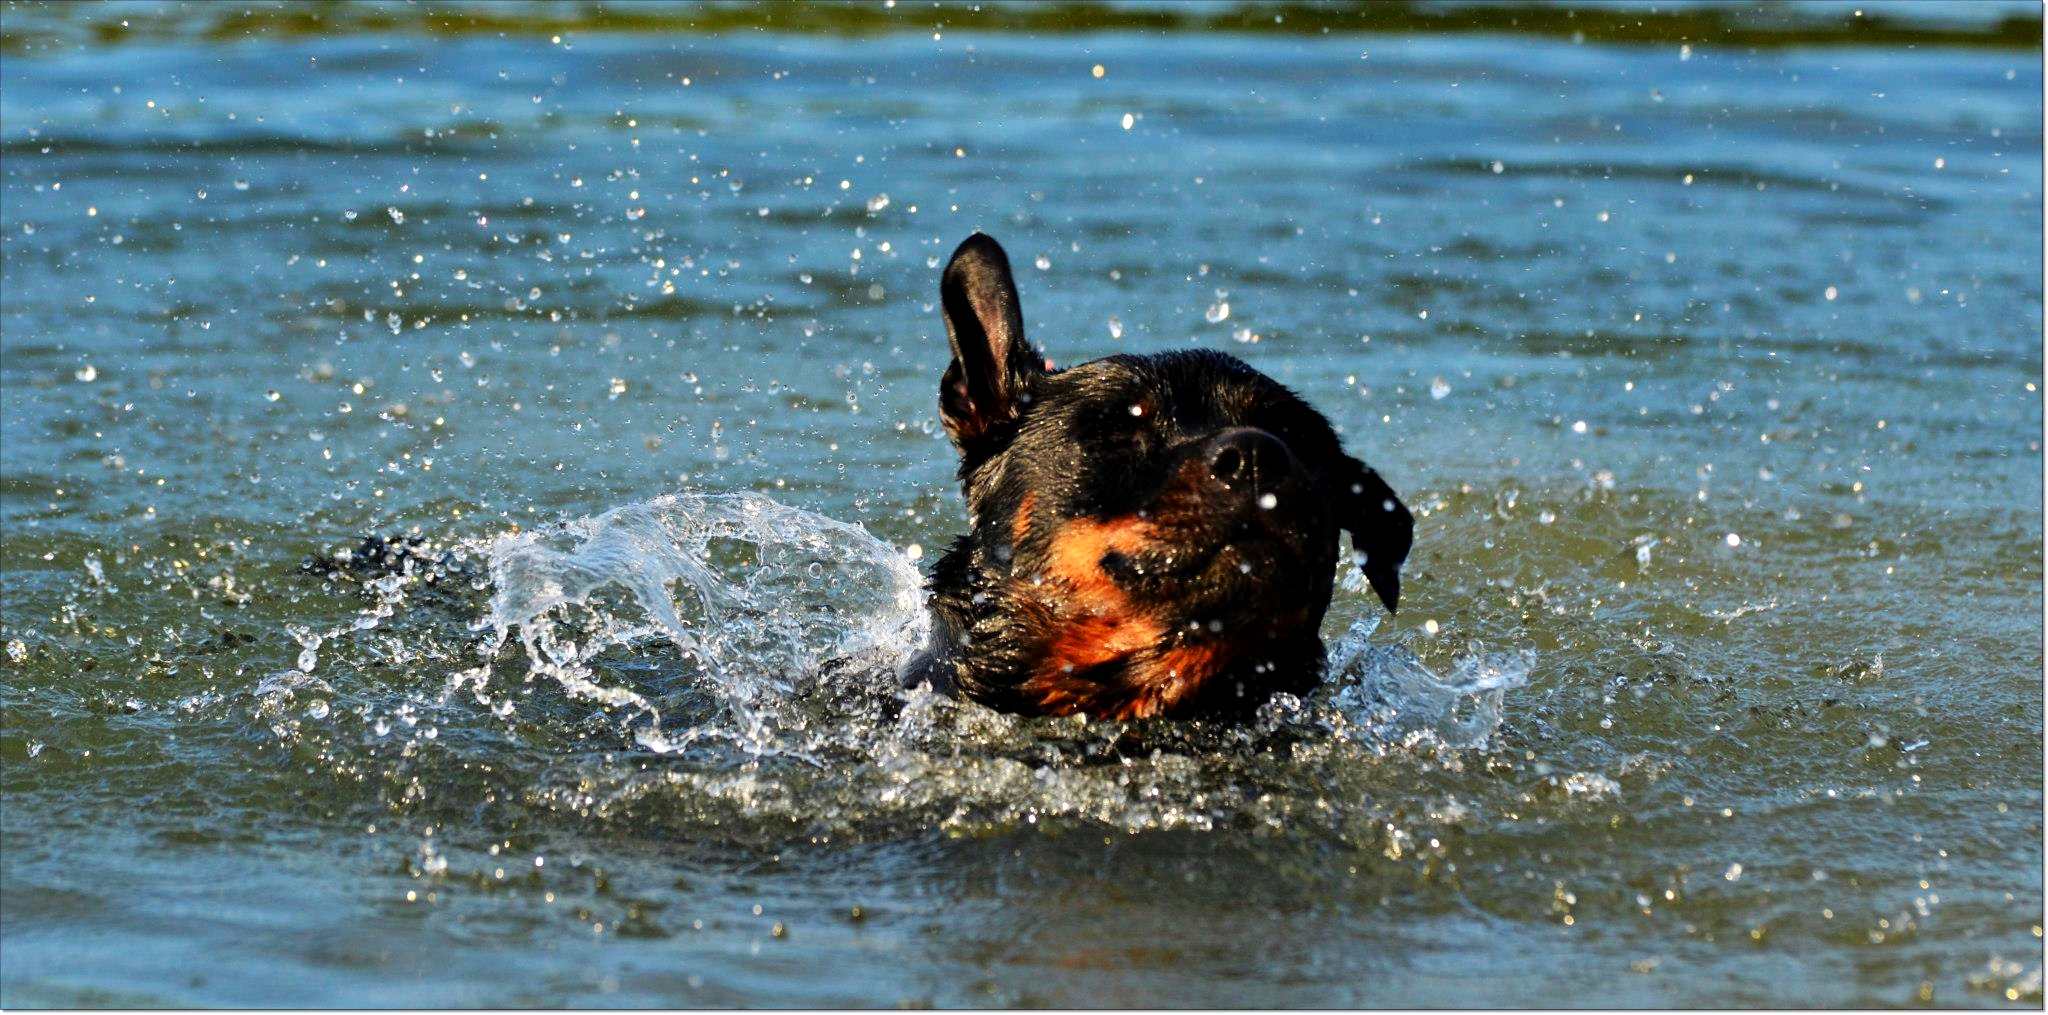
(1067, 443)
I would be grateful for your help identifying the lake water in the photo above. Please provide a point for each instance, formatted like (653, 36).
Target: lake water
(1711, 364)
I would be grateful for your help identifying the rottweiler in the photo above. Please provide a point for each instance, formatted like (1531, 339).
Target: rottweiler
(1152, 536)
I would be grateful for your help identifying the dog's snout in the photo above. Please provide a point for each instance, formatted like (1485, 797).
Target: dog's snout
(1249, 459)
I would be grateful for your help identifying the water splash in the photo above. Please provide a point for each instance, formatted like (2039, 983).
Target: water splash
(1389, 692)
(725, 665)
(762, 599)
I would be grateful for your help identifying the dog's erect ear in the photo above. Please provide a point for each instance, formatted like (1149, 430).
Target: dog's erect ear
(993, 366)
(1381, 528)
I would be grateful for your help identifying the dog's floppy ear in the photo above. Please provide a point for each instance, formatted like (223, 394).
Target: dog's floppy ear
(1381, 528)
(993, 366)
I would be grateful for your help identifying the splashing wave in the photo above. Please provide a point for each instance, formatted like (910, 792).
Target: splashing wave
(733, 662)
(759, 597)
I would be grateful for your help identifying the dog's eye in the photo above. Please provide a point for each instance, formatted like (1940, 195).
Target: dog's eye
(1126, 420)
(1125, 413)
(1137, 417)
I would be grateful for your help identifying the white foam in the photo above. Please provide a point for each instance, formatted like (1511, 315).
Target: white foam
(1391, 694)
(761, 597)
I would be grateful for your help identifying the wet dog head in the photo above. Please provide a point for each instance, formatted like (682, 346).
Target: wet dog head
(1152, 535)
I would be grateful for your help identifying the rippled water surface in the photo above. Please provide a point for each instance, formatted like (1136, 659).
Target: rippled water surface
(1711, 364)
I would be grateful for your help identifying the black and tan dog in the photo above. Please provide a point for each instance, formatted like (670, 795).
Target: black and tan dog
(1152, 535)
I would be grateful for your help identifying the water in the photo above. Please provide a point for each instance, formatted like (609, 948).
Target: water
(1710, 363)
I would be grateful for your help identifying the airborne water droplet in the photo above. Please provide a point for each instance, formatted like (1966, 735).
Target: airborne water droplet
(1218, 312)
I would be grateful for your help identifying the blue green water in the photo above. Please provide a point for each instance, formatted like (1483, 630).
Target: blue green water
(1711, 368)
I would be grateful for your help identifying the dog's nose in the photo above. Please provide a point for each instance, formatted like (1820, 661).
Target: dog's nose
(1249, 459)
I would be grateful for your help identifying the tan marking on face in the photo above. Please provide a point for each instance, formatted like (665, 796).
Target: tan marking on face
(1074, 561)
(1093, 621)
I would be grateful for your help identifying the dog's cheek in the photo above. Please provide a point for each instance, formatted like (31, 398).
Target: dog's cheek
(1181, 669)
(1081, 644)
(1085, 620)
(1075, 554)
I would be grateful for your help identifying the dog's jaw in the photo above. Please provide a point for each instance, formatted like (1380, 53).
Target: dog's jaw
(1051, 629)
